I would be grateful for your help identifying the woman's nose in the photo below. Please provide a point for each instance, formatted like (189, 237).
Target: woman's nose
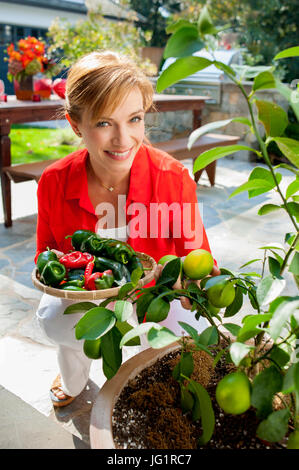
(121, 136)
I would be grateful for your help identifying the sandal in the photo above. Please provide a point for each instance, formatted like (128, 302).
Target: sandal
(56, 386)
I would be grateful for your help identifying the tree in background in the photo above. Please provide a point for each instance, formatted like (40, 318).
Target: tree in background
(156, 13)
(263, 28)
(71, 41)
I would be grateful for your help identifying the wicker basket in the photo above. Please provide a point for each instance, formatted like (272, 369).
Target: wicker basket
(148, 263)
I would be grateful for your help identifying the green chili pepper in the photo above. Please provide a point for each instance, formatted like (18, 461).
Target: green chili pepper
(74, 282)
(105, 281)
(67, 287)
(53, 273)
(78, 238)
(135, 263)
(119, 270)
(44, 258)
(119, 251)
(93, 245)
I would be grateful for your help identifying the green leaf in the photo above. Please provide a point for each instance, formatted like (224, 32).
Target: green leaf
(142, 304)
(123, 310)
(250, 324)
(205, 24)
(264, 80)
(269, 288)
(137, 331)
(250, 262)
(290, 381)
(209, 336)
(290, 52)
(213, 281)
(123, 328)
(211, 155)
(161, 337)
(280, 356)
(157, 310)
(212, 126)
(183, 42)
(292, 188)
(236, 305)
(181, 68)
(288, 94)
(136, 276)
(238, 351)
(273, 117)
(274, 266)
(186, 364)
(290, 148)
(206, 411)
(111, 352)
(267, 208)
(274, 428)
(95, 323)
(262, 184)
(170, 273)
(79, 307)
(293, 207)
(232, 328)
(282, 314)
(194, 335)
(294, 266)
(259, 173)
(187, 400)
(265, 385)
(124, 290)
(172, 28)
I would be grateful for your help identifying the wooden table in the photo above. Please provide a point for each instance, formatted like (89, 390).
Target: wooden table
(15, 112)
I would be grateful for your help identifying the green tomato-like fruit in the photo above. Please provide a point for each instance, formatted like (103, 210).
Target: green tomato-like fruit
(221, 295)
(233, 393)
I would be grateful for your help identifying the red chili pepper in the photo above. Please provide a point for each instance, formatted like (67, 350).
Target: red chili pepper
(75, 259)
(88, 271)
(91, 285)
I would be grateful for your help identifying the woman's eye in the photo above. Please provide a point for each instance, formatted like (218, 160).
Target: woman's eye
(136, 119)
(102, 124)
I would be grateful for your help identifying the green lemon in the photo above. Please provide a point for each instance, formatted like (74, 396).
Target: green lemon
(221, 295)
(92, 348)
(293, 440)
(212, 309)
(233, 393)
(198, 264)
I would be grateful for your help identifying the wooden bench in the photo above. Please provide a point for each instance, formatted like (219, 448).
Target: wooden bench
(179, 150)
(176, 147)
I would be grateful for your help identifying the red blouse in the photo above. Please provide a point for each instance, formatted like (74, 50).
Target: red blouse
(161, 208)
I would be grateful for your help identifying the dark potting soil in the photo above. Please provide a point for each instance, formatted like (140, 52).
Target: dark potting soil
(147, 414)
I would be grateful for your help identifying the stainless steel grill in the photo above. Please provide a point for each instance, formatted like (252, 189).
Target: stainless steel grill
(207, 82)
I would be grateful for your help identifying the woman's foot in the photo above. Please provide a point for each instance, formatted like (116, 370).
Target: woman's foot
(58, 397)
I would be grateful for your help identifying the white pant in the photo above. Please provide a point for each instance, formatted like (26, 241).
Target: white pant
(74, 365)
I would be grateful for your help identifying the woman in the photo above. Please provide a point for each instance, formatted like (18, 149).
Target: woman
(117, 186)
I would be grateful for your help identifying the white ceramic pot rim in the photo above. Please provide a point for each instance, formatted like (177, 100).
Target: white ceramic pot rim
(101, 436)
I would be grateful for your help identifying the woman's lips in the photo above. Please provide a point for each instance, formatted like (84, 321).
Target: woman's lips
(118, 155)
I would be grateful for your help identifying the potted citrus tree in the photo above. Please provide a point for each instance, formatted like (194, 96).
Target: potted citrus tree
(257, 357)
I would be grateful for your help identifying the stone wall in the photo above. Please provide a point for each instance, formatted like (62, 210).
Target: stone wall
(164, 126)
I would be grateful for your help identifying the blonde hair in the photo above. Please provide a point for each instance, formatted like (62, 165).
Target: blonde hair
(100, 81)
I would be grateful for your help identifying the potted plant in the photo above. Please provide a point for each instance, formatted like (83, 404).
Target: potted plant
(258, 358)
(26, 60)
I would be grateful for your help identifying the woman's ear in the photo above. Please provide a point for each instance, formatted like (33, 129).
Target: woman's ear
(73, 124)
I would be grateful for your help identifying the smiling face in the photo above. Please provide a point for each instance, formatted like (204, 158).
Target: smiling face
(114, 139)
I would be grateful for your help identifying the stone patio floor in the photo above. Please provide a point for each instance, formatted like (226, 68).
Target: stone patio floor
(28, 362)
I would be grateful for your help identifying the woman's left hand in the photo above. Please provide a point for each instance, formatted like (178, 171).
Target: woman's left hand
(185, 302)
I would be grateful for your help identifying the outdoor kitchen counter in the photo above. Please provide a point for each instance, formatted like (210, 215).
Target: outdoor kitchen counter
(16, 112)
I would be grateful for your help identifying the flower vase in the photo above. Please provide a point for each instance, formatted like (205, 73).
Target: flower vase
(24, 88)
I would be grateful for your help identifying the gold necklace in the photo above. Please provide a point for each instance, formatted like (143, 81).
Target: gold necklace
(109, 188)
